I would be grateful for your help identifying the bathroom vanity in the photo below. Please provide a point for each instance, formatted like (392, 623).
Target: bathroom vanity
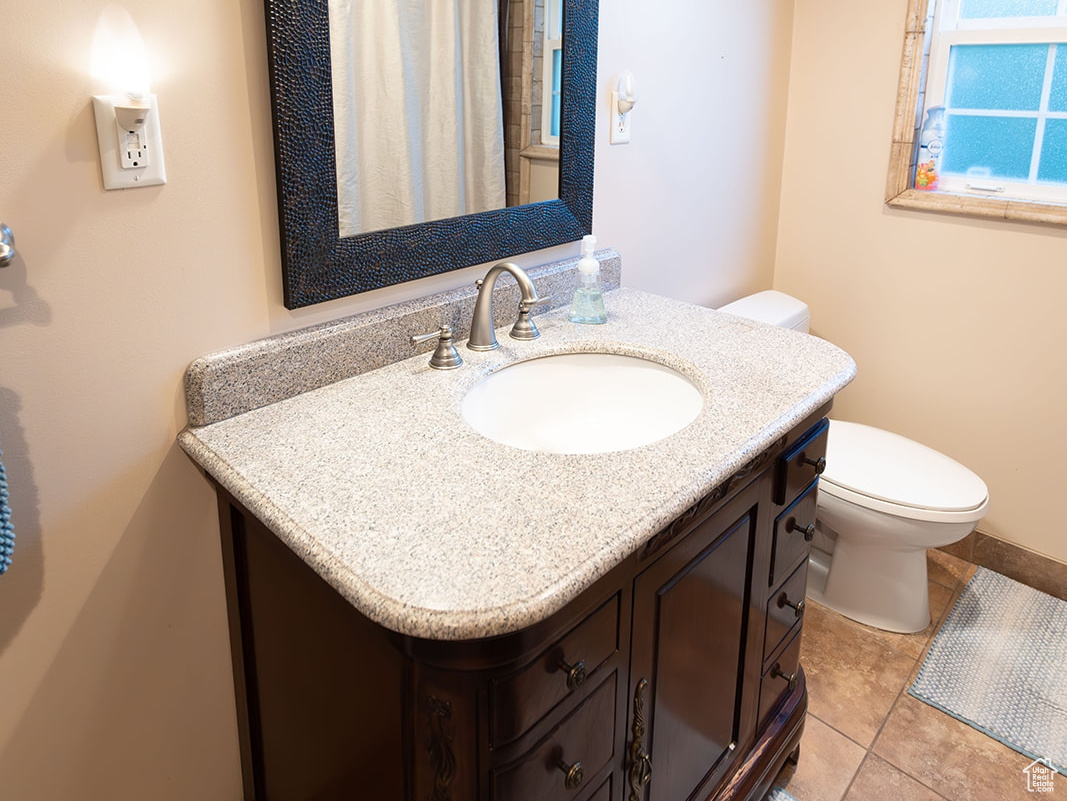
(418, 612)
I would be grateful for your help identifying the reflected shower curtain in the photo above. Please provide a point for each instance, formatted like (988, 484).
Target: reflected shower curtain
(418, 114)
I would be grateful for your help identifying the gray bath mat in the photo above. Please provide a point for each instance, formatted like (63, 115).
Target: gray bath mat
(999, 664)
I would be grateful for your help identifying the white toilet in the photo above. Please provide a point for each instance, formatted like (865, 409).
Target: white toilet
(883, 500)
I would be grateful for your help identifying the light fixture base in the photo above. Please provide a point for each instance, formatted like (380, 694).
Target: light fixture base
(620, 123)
(623, 100)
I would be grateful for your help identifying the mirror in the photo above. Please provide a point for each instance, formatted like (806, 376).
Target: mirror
(443, 108)
(320, 265)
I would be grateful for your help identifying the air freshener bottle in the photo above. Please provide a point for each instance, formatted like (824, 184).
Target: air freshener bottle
(588, 304)
(931, 147)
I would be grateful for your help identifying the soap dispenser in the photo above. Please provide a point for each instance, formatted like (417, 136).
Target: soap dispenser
(588, 304)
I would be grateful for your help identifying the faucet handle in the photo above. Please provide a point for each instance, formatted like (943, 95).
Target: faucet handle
(524, 327)
(526, 305)
(445, 357)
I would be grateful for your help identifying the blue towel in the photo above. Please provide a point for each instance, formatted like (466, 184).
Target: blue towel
(7, 532)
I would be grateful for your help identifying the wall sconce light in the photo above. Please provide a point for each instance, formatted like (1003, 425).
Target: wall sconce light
(623, 99)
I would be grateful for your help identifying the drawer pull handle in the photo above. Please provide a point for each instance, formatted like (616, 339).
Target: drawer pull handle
(575, 674)
(575, 774)
(641, 763)
(791, 678)
(783, 601)
(808, 530)
(819, 464)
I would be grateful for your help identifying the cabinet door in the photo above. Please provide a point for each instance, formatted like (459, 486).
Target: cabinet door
(689, 631)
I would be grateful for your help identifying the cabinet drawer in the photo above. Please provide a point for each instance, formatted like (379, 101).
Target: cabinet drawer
(793, 530)
(800, 465)
(579, 749)
(785, 609)
(779, 679)
(520, 700)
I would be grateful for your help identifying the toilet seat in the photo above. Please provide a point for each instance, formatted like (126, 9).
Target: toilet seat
(889, 473)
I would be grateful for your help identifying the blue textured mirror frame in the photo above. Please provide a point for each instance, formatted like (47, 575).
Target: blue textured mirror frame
(317, 264)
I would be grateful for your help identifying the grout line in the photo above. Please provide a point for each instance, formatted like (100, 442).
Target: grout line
(838, 731)
(959, 583)
(852, 781)
(921, 783)
(957, 590)
(900, 693)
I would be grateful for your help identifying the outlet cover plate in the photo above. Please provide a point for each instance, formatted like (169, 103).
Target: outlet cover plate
(108, 135)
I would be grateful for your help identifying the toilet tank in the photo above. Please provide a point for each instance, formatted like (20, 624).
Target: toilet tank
(774, 307)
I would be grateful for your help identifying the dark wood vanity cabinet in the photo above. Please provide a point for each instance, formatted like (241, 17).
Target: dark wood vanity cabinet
(674, 677)
(687, 660)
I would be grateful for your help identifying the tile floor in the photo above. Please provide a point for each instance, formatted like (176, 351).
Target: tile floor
(866, 739)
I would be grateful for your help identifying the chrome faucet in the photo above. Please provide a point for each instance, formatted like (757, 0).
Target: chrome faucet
(482, 335)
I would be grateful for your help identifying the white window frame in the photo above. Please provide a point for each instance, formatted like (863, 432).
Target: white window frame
(1039, 203)
(553, 41)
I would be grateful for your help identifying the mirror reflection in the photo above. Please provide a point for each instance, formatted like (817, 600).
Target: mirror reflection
(443, 109)
(319, 264)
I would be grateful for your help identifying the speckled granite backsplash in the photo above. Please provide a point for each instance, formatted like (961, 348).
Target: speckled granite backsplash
(230, 382)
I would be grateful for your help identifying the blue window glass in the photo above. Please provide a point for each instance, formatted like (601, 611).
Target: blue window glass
(985, 9)
(557, 86)
(996, 77)
(1054, 152)
(1003, 146)
(1058, 99)
(557, 19)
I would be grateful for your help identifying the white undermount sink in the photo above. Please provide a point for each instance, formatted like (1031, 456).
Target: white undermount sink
(582, 403)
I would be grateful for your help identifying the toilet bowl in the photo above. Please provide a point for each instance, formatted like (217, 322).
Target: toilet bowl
(883, 500)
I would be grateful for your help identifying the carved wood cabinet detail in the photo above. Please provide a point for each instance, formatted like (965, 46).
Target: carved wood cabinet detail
(676, 676)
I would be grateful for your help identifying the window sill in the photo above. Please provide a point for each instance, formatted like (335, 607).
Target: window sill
(989, 208)
(541, 152)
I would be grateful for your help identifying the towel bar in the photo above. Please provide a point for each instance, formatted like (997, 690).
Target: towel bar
(7, 245)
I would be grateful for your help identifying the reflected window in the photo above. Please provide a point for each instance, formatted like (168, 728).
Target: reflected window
(552, 65)
(534, 84)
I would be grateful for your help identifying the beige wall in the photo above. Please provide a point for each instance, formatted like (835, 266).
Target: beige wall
(957, 325)
(114, 661)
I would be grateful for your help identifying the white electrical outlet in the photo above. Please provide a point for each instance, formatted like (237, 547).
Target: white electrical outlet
(131, 144)
(133, 149)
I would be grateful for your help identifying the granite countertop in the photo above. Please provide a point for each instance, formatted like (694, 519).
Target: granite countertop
(434, 531)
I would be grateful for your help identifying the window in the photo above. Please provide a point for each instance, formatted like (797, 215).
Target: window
(987, 130)
(552, 65)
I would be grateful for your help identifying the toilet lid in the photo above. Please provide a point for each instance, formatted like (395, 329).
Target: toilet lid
(895, 469)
